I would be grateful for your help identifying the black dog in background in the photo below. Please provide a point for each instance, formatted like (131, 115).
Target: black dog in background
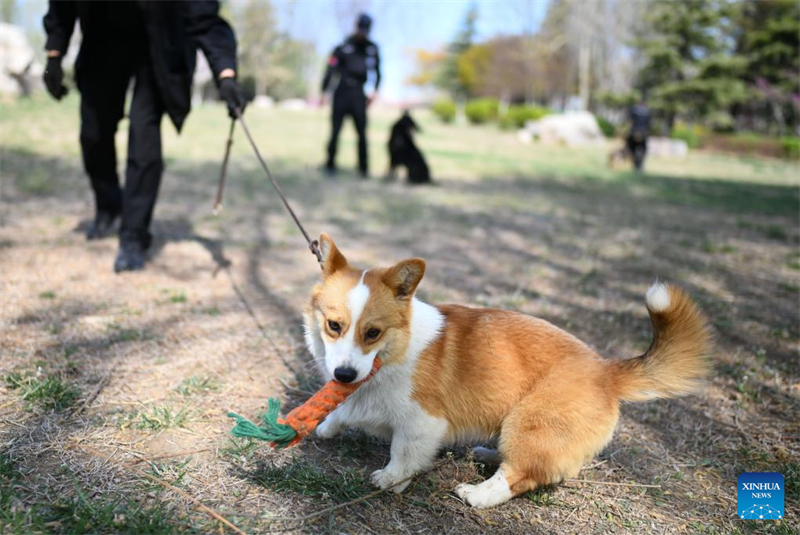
(403, 152)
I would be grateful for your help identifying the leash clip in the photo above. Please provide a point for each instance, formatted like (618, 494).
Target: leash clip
(314, 246)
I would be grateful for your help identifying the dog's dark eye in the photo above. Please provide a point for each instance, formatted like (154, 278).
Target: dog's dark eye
(373, 333)
(335, 326)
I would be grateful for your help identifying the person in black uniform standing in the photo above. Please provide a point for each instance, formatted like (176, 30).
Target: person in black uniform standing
(639, 116)
(352, 61)
(153, 43)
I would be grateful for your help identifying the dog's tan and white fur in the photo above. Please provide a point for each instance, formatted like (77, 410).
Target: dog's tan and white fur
(456, 374)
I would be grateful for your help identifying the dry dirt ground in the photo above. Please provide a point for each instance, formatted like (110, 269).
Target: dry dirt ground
(111, 385)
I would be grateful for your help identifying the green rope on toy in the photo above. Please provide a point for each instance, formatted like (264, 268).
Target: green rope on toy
(301, 422)
(280, 435)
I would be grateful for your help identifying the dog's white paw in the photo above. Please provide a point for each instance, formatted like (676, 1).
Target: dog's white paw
(473, 495)
(385, 478)
(491, 492)
(328, 429)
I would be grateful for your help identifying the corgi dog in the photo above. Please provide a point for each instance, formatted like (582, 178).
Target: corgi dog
(456, 374)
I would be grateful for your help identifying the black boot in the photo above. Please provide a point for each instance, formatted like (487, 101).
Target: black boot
(130, 256)
(103, 225)
(329, 170)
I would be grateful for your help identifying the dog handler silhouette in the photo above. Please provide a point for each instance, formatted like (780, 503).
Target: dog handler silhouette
(153, 43)
(352, 61)
(636, 141)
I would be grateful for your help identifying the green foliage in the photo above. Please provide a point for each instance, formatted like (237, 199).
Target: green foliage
(606, 126)
(445, 110)
(197, 384)
(769, 40)
(710, 61)
(616, 101)
(791, 147)
(277, 64)
(307, 479)
(160, 417)
(750, 143)
(50, 392)
(472, 65)
(76, 514)
(687, 71)
(448, 77)
(692, 135)
(481, 110)
(517, 115)
(8, 11)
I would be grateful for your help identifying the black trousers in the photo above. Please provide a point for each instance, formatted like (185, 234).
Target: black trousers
(349, 101)
(103, 92)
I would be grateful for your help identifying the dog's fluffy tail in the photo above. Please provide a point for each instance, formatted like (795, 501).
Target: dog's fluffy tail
(678, 358)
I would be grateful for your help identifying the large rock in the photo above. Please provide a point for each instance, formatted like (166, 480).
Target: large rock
(294, 104)
(572, 129)
(19, 70)
(665, 147)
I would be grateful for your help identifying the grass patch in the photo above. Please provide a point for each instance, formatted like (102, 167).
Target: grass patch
(791, 476)
(170, 473)
(240, 449)
(8, 472)
(355, 445)
(587, 284)
(711, 247)
(159, 418)
(542, 497)
(178, 297)
(50, 392)
(106, 514)
(307, 479)
(125, 334)
(775, 232)
(197, 384)
(47, 295)
(778, 527)
(175, 296)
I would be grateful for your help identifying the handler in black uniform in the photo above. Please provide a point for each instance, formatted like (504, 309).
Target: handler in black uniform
(352, 61)
(153, 43)
(639, 116)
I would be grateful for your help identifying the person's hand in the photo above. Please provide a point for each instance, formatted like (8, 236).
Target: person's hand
(54, 78)
(233, 96)
(371, 99)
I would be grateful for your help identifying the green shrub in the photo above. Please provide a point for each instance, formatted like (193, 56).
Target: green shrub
(692, 135)
(481, 110)
(606, 127)
(720, 122)
(616, 101)
(791, 147)
(518, 114)
(445, 110)
(750, 143)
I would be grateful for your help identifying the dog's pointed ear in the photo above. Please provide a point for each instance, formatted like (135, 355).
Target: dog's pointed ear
(404, 277)
(332, 259)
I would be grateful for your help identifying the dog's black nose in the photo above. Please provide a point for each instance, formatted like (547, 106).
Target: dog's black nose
(345, 375)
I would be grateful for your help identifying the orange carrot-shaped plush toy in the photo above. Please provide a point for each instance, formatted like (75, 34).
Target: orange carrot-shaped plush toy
(299, 423)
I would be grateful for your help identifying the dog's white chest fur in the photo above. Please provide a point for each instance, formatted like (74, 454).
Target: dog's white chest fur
(384, 406)
(384, 402)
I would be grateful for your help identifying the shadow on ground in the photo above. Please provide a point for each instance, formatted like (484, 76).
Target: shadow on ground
(576, 251)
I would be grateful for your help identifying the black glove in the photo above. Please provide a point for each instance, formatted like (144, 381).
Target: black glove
(54, 78)
(232, 94)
